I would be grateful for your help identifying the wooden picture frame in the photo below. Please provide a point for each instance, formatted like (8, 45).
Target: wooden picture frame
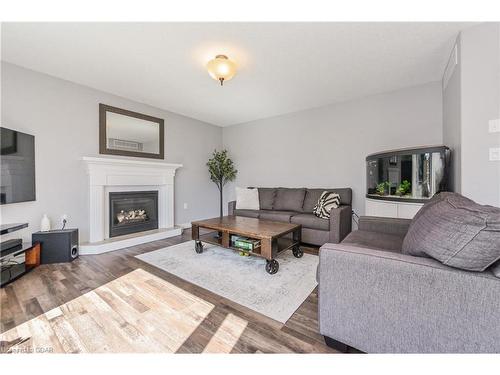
(103, 145)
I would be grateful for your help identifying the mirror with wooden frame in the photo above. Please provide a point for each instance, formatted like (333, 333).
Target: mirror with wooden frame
(127, 133)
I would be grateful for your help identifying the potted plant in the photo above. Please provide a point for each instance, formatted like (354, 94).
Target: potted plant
(381, 188)
(221, 169)
(404, 188)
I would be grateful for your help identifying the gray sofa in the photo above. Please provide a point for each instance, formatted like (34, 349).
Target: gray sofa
(295, 205)
(378, 300)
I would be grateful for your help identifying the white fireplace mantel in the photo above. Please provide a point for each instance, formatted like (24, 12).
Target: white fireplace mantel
(107, 175)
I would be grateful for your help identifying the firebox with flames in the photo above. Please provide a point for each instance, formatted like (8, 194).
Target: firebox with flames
(132, 216)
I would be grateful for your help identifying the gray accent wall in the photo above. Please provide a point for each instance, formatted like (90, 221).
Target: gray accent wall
(64, 118)
(327, 146)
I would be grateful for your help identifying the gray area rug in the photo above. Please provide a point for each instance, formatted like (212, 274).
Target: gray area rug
(243, 280)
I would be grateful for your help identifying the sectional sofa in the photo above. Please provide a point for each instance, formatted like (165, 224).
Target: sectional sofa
(295, 205)
(378, 299)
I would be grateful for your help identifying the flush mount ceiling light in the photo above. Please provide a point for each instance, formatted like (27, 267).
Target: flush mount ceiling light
(221, 68)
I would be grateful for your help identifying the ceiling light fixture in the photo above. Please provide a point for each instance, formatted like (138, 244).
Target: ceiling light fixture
(221, 68)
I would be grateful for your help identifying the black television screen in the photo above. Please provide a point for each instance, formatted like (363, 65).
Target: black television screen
(18, 166)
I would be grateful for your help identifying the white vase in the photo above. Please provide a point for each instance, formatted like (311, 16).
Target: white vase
(45, 223)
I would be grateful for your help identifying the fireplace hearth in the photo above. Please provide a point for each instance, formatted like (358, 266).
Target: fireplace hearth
(132, 212)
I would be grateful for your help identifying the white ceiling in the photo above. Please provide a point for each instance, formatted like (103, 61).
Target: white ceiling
(282, 67)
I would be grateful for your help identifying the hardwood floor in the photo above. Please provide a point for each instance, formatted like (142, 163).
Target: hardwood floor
(114, 302)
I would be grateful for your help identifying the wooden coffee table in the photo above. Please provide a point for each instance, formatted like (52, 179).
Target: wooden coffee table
(270, 233)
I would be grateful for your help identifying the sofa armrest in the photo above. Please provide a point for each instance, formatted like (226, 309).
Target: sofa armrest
(340, 223)
(383, 302)
(230, 207)
(386, 225)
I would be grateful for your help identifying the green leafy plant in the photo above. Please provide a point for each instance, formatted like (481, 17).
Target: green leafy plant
(404, 188)
(382, 187)
(221, 169)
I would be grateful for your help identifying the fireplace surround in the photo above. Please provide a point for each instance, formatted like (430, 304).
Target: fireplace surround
(111, 175)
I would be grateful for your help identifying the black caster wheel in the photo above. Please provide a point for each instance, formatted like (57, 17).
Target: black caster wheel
(272, 266)
(198, 247)
(297, 251)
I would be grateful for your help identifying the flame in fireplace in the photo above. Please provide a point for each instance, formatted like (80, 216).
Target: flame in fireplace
(131, 216)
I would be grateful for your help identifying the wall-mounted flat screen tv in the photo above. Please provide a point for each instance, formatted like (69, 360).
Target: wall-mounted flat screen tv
(18, 167)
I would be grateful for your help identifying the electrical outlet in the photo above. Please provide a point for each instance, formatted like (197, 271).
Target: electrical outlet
(185, 206)
(495, 154)
(494, 126)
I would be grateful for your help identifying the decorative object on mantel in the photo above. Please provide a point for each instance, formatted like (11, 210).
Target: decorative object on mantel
(221, 169)
(45, 223)
(127, 133)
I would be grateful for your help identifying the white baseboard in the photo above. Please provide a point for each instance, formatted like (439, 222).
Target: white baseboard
(117, 243)
(184, 226)
(188, 225)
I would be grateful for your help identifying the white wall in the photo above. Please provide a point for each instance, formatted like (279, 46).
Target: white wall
(64, 118)
(327, 146)
(451, 119)
(321, 147)
(470, 101)
(480, 103)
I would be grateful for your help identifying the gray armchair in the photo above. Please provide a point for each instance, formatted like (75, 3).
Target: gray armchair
(377, 300)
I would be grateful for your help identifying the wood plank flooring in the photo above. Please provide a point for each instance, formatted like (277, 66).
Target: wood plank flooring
(114, 302)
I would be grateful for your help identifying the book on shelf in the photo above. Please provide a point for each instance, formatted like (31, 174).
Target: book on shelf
(244, 243)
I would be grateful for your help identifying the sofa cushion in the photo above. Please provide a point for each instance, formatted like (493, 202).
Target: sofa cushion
(315, 237)
(289, 199)
(247, 213)
(266, 198)
(313, 195)
(496, 269)
(247, 199)
(311, 221)
(274, 215)
(375, 240)
(456, 231)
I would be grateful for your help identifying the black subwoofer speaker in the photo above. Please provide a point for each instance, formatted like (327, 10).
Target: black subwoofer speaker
(57, 246)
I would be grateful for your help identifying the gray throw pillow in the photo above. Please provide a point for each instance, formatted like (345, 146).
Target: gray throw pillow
(437, 198)
(456, 231)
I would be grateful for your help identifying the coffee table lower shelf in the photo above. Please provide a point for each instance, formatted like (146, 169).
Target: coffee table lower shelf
(269, 249)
